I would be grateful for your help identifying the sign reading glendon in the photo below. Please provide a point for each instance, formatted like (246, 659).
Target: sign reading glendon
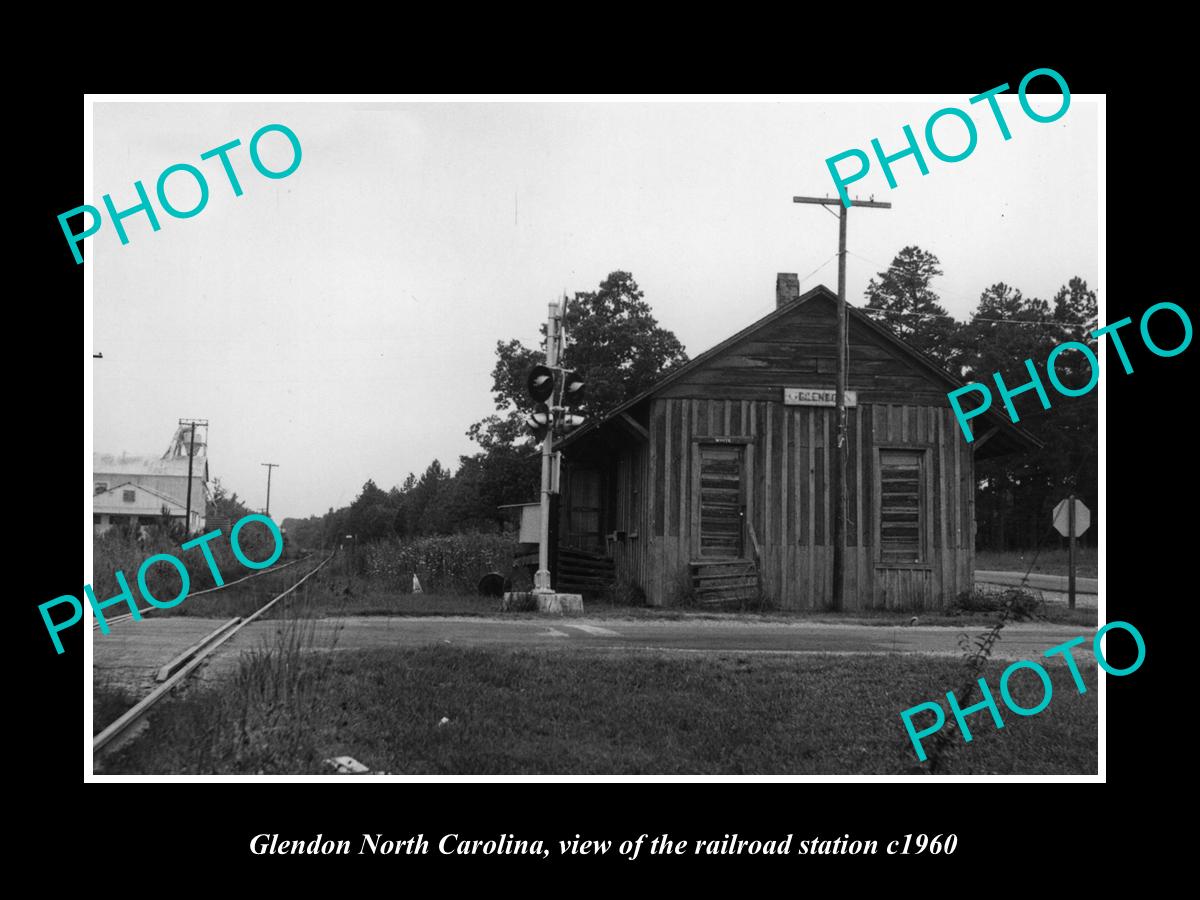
(814, 397)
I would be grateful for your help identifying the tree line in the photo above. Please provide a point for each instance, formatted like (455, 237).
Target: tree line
(619, 348)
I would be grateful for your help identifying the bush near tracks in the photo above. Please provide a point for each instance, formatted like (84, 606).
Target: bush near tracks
(451, 563)
(122, 550)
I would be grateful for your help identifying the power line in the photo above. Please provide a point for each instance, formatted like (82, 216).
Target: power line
(874, 262)
(1043, 323)
(816, 270)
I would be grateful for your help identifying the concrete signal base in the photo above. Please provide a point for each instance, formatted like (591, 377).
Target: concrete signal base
(547, 602)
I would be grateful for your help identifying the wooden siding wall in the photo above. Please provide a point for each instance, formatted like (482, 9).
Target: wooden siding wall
(788, 478)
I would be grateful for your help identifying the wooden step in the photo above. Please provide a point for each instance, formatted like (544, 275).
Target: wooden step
(725, 578)
(579, 585)
(744, 598)
(741, 584)
(580, 563)
(585, 573)
(725, 583)
(721, 565)
(715, 589)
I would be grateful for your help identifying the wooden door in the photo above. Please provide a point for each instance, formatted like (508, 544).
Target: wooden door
(722, 501)
(584, 520)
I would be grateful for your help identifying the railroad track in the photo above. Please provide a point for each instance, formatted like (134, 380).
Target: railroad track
(115, 620)
(177, 670)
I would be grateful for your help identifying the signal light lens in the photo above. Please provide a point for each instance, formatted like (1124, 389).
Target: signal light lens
(540, 383)
(572, 387)
(539, 419)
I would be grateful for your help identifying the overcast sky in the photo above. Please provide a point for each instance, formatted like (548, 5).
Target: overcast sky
(342, 321)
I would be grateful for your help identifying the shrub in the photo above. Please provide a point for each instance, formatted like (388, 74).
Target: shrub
(520, 601)
(1021, 603)
(682, 591)
(451, 563)
(625, 592)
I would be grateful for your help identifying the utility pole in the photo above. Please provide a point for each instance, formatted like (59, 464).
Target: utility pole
(841, 362)
(269, 466)
(187, 516)
(541, 581)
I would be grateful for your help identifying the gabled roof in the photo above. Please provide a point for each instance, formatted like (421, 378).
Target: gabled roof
(111, 464)
(923, 361)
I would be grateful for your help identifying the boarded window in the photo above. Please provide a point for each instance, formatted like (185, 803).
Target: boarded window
(901, 506)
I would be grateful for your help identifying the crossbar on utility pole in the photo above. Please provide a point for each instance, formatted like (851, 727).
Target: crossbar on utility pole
(841, 363)
(269, 466)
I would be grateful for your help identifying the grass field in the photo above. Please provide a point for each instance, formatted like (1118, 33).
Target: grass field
(1049, 561)
(445, 710)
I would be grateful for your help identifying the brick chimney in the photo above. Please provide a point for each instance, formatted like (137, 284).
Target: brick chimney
(787, 288)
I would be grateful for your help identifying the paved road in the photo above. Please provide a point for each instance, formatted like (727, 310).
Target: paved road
(1056, 583)
(1053, 588)
(135, 650)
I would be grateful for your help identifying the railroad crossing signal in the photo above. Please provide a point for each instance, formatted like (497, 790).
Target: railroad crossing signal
(568, 422)
(541, 383)
(539, 419)
(1062, 516)
(572, 387)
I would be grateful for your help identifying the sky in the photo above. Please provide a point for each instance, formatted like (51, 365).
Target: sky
(342, 321)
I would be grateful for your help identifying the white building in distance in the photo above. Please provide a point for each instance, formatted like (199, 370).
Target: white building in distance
(140, 490)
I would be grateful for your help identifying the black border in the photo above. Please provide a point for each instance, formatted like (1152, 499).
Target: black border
(1149, 503)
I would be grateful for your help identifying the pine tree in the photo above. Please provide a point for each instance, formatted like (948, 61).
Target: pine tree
(910, 306)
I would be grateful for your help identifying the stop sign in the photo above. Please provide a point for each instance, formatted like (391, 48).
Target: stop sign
(1061, 515)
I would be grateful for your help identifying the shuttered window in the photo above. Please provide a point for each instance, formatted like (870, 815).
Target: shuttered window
(901, 506)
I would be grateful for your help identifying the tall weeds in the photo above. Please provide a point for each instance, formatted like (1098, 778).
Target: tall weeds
(277, 693)
(975, 657)
(268, 716)
(451, 563)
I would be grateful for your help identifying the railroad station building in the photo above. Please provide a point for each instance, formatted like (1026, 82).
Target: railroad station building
(715, 482)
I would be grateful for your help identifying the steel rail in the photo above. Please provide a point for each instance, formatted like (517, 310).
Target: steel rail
(220, 587)
(105, 738)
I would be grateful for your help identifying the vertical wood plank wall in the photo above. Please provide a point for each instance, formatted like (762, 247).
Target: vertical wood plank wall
(787, 471)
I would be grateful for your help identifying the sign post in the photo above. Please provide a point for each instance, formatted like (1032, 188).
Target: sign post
(1071, 519)
(1071, 552)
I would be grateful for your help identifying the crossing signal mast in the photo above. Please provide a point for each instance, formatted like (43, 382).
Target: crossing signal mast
(553, 389)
